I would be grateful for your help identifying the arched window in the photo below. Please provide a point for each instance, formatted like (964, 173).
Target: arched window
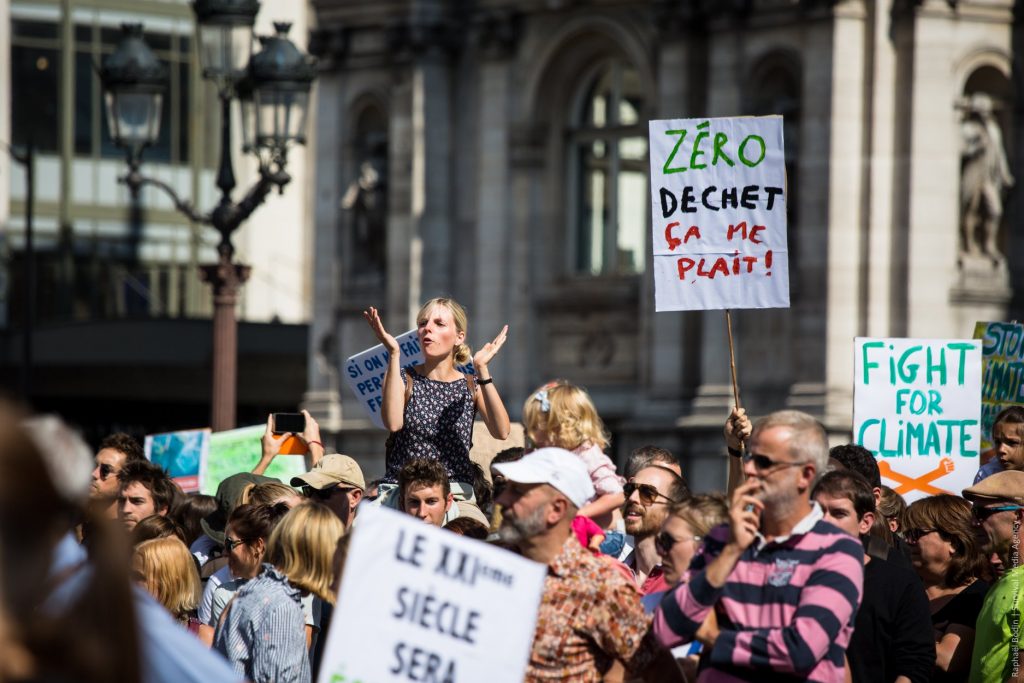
(608, 170)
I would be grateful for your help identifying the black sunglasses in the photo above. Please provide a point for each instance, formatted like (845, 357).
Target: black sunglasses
(232, 543)
(648, 494)
(763, 462)
(664, 541)
(912, 536)
(982, 513)
(106, 470)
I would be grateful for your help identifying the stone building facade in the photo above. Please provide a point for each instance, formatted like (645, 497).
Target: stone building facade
(495, 150)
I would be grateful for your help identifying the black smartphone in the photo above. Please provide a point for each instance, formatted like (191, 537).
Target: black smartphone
(289, 422)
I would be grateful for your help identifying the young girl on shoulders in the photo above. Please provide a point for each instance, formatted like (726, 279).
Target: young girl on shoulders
(429, 408)
(562, 414)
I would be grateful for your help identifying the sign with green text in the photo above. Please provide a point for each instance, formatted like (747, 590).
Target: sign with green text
(917, 407)
(718, 212)
(1002, 352)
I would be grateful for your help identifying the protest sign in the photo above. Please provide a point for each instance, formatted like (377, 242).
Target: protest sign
(364, 372)
(718, 213)
(917, 407)
(1002, 362)
(431, 606)
(182, 454)
(238, 450)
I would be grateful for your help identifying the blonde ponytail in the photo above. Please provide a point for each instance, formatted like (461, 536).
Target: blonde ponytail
(462, 354)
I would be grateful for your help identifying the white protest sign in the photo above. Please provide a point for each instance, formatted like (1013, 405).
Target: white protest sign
(364, 372)
(423, 604)
(718, 213)
(917, 407)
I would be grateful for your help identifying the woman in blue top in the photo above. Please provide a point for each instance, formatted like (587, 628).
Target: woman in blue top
(429, 408)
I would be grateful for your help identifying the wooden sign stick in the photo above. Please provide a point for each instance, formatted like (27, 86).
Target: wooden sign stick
(732, 358)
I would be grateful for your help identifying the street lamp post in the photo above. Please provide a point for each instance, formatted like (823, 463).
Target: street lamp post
(272, 87)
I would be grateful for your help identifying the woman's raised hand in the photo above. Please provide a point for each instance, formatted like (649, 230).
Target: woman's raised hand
(374, 321)
(488, 351)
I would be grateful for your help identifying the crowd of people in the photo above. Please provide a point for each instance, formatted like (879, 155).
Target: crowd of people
(805, 568)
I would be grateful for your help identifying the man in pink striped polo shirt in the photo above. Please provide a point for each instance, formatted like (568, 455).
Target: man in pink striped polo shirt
(772, 594)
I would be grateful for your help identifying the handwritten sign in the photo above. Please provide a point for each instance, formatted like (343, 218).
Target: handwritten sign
(182, 454)
(718, 212)
(917, 407)
(1002, 362)
(432, 606)
(364, 372)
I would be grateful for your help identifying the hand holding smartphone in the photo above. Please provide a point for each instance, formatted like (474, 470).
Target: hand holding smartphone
(289, 423)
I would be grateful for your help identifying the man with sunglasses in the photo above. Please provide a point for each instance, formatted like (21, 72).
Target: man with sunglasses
(775, 590)
(998, 502)
(337, 482)
(590, 615)
(115, 451)
(649, 494)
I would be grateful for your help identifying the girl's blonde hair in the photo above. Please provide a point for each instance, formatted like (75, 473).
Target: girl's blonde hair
(702, 512)
(566, 414)
(302, 547)
(462, 351)
(267, 493)
(170, 574)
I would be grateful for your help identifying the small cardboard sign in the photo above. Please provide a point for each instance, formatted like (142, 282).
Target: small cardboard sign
(917, 407)
(718, 213)
(432, 605)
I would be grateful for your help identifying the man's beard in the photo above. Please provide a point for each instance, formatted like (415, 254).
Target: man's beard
(514, 531)
(645, 526)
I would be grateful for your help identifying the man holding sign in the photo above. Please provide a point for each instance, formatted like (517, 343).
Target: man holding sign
(590, 615)
(775, 590)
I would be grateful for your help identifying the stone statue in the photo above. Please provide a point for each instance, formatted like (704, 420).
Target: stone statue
(984, 177)
(367, 199)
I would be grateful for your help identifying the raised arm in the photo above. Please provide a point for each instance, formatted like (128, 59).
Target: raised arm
(737, 431)
(488, 400)
(392, 411)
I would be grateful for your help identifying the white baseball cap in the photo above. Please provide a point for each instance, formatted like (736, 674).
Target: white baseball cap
(556, 467)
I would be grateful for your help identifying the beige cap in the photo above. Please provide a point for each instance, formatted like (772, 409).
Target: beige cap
(333, 469)
(1006, 485)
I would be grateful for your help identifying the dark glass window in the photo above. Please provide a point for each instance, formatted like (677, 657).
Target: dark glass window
(35, 84)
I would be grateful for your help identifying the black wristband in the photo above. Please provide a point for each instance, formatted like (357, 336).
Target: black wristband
(733, 452)
(481, 382)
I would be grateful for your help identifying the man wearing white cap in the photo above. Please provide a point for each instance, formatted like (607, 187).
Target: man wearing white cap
(590, 615)
(337, 482)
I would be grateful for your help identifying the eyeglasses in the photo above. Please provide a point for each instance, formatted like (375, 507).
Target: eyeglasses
(763, 462)
(106, 470)
(664, 541)
(648, 494)
(232, 543)
(982, 513)
(912, 536)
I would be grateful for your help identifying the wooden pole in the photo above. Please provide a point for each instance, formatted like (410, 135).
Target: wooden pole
(732, 359)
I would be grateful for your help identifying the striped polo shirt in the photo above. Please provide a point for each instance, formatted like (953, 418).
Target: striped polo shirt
(786, 612)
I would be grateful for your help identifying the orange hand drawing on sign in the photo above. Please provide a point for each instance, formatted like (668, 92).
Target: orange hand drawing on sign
(922, 483)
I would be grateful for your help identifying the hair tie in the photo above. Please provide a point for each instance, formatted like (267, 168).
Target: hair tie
(542, 397)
